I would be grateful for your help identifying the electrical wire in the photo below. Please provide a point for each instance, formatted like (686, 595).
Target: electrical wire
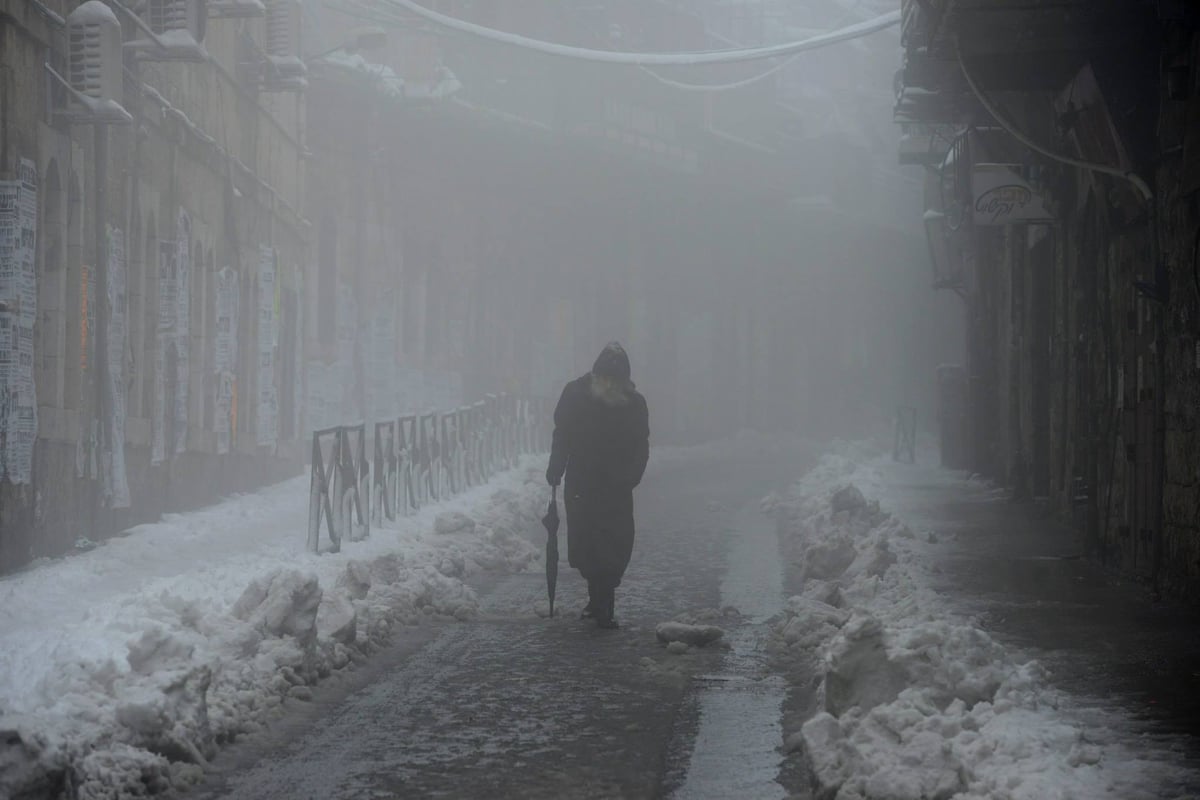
(56, 19)
(720, 87)
(651, 59)
(1128, 175)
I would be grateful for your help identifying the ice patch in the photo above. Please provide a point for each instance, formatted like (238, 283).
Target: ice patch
(692, 635)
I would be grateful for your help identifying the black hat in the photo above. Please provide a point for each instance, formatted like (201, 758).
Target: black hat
(612, 362)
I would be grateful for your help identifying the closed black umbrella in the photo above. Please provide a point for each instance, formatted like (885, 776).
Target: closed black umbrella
(551, 523)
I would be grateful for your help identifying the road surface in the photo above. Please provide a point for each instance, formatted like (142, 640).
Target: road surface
(514, 705)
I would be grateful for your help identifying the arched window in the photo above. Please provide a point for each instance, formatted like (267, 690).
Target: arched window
(48, 346)
(75, 308)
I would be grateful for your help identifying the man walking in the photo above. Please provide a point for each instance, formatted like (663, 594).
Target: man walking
(601, 443)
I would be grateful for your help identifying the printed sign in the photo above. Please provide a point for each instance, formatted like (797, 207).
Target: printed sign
(164, 353)
(18, 312)
(267, 416)
(383, 399)
(298, 350)
(225, 357)
(183, 275)
(116, 482)
(1003, 197)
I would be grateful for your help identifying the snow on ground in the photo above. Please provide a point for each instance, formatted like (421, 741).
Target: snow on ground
(123, 668)
(914, 700)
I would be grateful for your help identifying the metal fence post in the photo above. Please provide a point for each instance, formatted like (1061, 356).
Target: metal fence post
(415, 460)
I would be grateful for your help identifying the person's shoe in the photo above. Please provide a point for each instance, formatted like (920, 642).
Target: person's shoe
(589, 611)
(607, 623)
(606, 616)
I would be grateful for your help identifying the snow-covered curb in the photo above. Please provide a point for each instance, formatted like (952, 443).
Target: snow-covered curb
(124, 668)
(915, 701)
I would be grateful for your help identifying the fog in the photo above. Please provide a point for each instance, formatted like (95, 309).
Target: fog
(754, 245)
(305, 215)
(290, 291)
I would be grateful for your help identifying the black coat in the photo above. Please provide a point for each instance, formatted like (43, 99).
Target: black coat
(601, 444)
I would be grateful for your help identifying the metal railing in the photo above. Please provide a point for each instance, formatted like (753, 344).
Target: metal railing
(339, 491)
(416, 459)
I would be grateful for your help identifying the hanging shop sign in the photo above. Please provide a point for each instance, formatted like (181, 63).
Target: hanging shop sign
(1004, 196)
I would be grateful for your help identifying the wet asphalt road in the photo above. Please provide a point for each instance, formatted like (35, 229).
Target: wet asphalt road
(513, 705)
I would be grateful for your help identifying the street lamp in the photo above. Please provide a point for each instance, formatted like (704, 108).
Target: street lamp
(945, 252)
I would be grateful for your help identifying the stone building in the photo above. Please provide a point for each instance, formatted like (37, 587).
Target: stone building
(169, 253)
(279, 247)
(1061, 146)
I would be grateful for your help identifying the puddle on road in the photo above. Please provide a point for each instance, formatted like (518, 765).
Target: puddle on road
(736, 751)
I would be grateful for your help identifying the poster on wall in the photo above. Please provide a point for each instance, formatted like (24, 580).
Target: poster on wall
(322, 396)
(225, 358)
(183, 274)
(298, 362)
(116, 481)
(347, 333)
(18, 311)
(443, 390)
(410, 390)
(164, 353)
(267, 416)
(383, 400)
(88, 443)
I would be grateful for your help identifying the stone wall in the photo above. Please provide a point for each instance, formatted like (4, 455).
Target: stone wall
(202, 147)
(1111, 440)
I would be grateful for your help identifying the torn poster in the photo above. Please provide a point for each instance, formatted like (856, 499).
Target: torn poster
(116, 482)
(183, 278)
(18, 312)
(225, 358)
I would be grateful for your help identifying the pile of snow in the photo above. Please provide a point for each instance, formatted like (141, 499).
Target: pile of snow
(687, 635)
(123, 669)
(744, 443)
(914, 700)
(385, 80)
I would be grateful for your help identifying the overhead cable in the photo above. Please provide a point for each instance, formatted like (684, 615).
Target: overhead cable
(1106, 169)
(721, 87)
(652, 59)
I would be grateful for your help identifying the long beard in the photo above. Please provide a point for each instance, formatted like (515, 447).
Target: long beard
(610, 391)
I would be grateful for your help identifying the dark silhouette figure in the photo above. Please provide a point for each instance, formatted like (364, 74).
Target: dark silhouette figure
(602, 444)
